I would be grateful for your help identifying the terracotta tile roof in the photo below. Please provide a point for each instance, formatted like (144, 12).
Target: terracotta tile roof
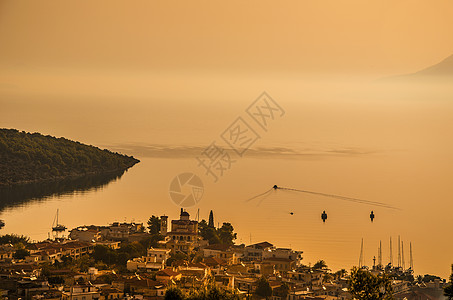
(261, 245)
(197, 265)
(179, 262)
(214, 261)
(220, 247)
(167, 272)
(271, 259)
(142, 282)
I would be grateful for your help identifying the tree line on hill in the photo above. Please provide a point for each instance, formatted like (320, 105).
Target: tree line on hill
(32, 157)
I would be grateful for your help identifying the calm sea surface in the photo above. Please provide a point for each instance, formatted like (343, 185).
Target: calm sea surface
(393, 147)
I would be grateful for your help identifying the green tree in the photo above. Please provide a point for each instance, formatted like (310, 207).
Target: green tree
(105, 254)
(173, 294)
(84, 262)
(429, 278)
(212, 292)
(14, 239)
(340, 273)
(34, 157)
(282, 291)
(222, 235)
(176, 256)
(106, 278)
(211, 219)
(21, 253)
(327, 277)
(226, 234)
(129, 251)
(365, 286)
(320, 264)
(263, 288)
(448, 290)
(419, 278)
(154, 225)
(151, 241)
(208, 233)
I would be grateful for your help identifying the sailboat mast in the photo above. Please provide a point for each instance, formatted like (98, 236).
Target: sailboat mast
(380, 254)
(391, 253)
(402, 255)
(411, 262)
(399, 252)
(361, 255)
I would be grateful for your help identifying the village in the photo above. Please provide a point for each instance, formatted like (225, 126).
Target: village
(131, 261)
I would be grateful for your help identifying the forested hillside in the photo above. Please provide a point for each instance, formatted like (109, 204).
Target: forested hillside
(33, 157)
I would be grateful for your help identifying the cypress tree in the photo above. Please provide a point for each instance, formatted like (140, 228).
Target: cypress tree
(211, 219)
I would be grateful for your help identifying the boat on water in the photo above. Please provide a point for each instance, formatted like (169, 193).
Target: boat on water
(56, 226)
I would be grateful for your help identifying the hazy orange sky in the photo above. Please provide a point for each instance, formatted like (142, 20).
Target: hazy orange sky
(128, 74)
(378, 37)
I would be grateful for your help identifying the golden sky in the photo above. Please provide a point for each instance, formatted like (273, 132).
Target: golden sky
(178, 72)
(382, 37)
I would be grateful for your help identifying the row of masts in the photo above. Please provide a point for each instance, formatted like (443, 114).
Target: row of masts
(401, 263)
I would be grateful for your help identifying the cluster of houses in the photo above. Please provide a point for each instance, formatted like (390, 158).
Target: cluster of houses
(233, 267)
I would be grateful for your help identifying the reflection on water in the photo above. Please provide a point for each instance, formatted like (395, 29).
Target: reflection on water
(35, 192)
(385, 144)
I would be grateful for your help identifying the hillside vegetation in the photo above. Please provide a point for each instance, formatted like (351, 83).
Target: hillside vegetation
(33, 157)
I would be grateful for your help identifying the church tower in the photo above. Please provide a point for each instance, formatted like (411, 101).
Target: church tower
(163, 225)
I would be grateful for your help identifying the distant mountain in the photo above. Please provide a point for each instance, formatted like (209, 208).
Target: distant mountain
(443, 68)
(440, 73)
(33, 157)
